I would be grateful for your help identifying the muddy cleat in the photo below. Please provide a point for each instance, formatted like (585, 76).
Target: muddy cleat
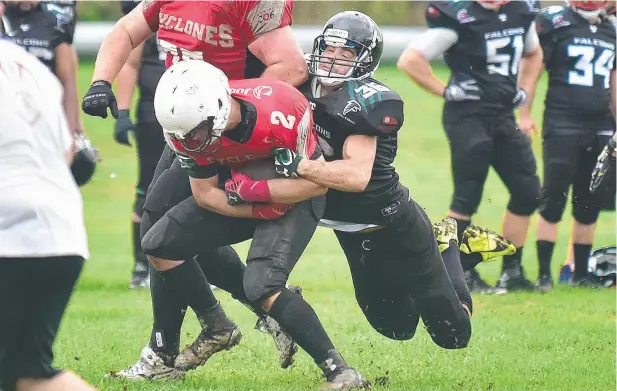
(544, 284)
(587, 282)
(513, 279)
(285, 344)
(151, 366)
(476, 284)
(205, 346)
(340, 376)
(485, 242)
(445, 232)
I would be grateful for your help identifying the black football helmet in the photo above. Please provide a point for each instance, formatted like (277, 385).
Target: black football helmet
(602, 265)
(84, 160)
(350, 29)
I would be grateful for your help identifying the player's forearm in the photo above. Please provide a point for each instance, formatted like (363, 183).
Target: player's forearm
(343, 175)
(215, 200)
(419, 70)
(289, 191)
(71, 105)
(127, 80)
(113, 54)
(290, 71)
(531, 68)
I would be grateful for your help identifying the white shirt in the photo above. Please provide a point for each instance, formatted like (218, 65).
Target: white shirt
(41, 210)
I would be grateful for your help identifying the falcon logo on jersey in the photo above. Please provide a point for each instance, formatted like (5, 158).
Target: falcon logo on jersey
(352, 107)
(559, 21)
(463, 16)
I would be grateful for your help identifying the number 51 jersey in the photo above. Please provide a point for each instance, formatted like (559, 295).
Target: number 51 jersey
(490, 44)
(579, 57)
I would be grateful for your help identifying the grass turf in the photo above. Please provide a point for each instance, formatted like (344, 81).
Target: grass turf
(561, 341)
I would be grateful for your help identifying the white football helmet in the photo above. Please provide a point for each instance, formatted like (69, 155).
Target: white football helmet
(192, 96)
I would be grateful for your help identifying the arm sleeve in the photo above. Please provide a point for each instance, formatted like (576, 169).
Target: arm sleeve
(385, 118)
(195, 170)
(434, 42)
(258, 17)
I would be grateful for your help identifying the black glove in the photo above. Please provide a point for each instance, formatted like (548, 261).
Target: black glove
(123, 126)
(520, 98)
(603, 165)
(460, 91)
(98, 98)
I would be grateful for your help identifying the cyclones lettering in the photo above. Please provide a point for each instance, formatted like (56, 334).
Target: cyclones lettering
(214, 35)
(235, 159)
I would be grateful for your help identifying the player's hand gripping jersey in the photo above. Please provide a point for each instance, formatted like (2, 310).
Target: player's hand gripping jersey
(217, 32)
(579, 57)
(275, 115)
(489, 46)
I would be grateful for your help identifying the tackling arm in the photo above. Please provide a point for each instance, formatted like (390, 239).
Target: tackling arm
(128, 33)
(352, 173)
(208, 196)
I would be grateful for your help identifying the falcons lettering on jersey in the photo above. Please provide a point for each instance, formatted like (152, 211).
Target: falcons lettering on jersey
(218, 32)
(282, 118)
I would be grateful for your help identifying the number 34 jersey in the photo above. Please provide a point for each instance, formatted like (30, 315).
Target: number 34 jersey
(490, 44)
(579, 57)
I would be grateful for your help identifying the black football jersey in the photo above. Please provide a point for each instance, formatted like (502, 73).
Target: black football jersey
(37, 31)
(579, 57)
(365, 107)
(65, 12)
(490, 44)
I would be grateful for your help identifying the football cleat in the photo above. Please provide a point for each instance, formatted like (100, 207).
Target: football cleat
(485, 242)
(476, 284)
(140, 277)
(513, 279)
(587, 282)
(285, 344)
(445, 232)
(544, 284)
(151, 366)
(205, 346)
(340, 376)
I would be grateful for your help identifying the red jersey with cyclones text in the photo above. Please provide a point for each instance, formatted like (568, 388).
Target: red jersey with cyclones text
(282, 117)
(217, 32)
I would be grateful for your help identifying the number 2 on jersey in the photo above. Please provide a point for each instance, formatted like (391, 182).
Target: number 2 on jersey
(504, 63)
(586, 68)
(278, 118)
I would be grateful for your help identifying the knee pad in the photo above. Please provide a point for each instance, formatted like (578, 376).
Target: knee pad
(261, 280)
(166, 240)
(526, 199)
(585, 214)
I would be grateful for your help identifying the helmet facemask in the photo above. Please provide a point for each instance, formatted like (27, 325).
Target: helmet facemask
(202, 139)
(359, 68)
(592, 11)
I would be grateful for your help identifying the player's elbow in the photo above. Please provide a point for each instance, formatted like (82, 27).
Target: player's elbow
(298, 74)
(360, 181)
(410, 60)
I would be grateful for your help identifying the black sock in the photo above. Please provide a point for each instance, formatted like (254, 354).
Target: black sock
(461, 226)
(301, 322)
(545, 249)
(168, 310)
(141, 262)
(455, 272)
(513, 261)
(581, 258)
(188, 281)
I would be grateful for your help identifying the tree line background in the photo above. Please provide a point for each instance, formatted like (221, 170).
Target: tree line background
(386, 13)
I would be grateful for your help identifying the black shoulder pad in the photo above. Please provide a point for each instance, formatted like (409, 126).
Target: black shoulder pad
(385, 117)
(550, 19)
(442, 14)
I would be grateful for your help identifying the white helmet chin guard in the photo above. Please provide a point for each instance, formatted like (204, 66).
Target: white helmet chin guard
(191, 95)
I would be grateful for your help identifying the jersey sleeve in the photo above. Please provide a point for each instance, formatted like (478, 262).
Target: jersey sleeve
(383, 119)
(438, 16)
(65, 21)
(258, 17)
(545, 31)
(59, 35)
(193, 168)
(151, 10)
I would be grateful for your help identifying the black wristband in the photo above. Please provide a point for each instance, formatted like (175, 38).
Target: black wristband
(101, 82)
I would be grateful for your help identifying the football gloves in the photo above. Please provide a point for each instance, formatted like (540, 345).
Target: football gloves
(123, 126)
(460, 91)
(241, 189)
(603, 165)
(98, 98)
(286, 162)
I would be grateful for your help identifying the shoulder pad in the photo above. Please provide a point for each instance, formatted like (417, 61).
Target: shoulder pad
(446, 14)
(374, 108)
(552, 18)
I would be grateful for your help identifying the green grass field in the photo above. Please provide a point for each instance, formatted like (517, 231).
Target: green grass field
(561, 341)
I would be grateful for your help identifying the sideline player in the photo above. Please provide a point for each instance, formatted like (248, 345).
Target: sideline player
(209, 129)
(222, 34)
(394, 258)
(485, 43)
(578, 43)
(42, 232)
